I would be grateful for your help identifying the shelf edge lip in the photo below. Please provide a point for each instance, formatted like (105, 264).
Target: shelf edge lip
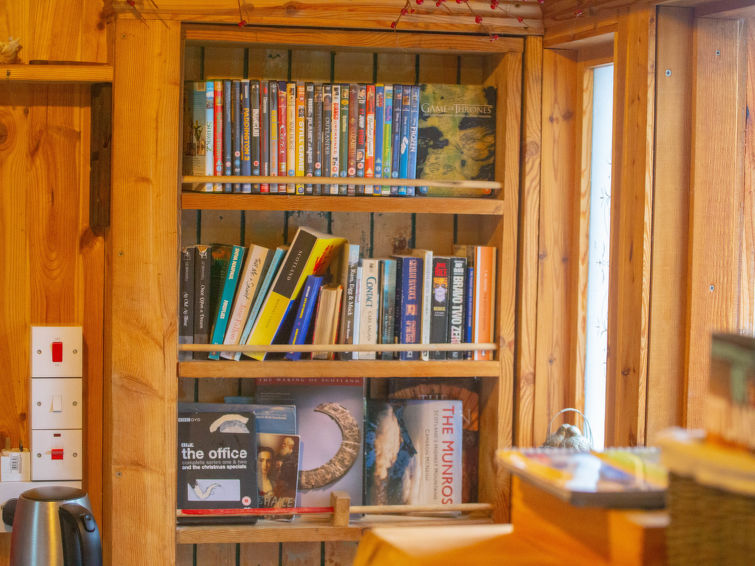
(57, 73)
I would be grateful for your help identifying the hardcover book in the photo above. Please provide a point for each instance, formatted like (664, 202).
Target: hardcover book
(310, 253)
(330, 415)
(217, 450)
(413, 452)
(186, 306)
(456, 135)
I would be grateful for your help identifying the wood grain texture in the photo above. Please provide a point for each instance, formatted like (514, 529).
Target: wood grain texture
(529, 219)
(300, 554)
(671, 205)
(185, 554)
(57, 73)
(747, 274)
(717, 192)
(358, 14)
(141, 297)
(216, 554)
(558, 193)
(339, 553)
(260, 554)
(57, 31)
(631, 214)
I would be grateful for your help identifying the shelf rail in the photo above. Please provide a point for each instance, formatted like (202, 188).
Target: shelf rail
(283, 348)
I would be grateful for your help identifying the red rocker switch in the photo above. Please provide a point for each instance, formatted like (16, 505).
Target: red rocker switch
(57, 453)
(57, 352)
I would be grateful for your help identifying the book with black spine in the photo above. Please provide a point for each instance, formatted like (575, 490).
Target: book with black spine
(456, 304)
(254, 140)
(349, 282)
(246, 134)
(264, 134)
(186, 306)
(202, 285)
(439, 305)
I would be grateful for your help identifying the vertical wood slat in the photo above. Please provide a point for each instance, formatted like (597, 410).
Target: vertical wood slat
(717, 193)
(631, 205)
(339, 553)
(671, 205)
(141, 311)
(301, 554)
(527, 270)
(554, 288)
(747, 277)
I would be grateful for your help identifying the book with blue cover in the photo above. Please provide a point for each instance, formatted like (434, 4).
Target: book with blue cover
(226, 297)
(387, 147)
(403, 158)
(398, 101)
(210, 133)
(411, 168)
(304, 314)
(379, 132)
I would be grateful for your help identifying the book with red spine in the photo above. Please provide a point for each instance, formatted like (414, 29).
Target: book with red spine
(217, 146)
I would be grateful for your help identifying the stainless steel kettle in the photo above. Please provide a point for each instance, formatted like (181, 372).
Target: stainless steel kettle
(53, 526)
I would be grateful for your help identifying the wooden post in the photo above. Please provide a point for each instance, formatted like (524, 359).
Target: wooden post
(341, 501)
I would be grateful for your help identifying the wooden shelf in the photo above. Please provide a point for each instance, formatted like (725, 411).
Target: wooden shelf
(308, 529)
(57, 73)
(323, 368)
(428, 205)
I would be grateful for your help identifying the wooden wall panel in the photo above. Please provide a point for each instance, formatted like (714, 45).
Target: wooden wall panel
(747, 274)
(717, 193)
(141, 307)
(667, 338)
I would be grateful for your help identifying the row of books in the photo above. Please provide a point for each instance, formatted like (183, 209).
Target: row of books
(319, 291)
(305, 129)
(311, 437)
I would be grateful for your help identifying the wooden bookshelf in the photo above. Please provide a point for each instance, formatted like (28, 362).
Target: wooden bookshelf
(57, 73)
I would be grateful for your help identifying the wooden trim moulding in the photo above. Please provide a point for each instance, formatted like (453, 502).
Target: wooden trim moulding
(54, 73)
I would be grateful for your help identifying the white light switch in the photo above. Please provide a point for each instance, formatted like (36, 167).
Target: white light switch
(56, 455)
(56, 351)
(56, 403)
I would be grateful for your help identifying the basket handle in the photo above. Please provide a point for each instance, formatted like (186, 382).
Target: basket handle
(588, 429)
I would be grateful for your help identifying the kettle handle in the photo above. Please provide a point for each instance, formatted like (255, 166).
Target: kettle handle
(81, 537)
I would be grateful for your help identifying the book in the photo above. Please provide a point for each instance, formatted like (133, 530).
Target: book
(369, 147)
(255, 265)
(246, 134)
(349, 282)
(387, 317)
(270, 272)
(318, 137)
(335, 135)
(226, 298)
(217, 145)
(277, 470)
(274, 131)
(456, 305)
(291, 119)
(369, 313)
(236, 131)
(456, 140)
(227, 135)
(425, 307)
(398, 101)
(379, 132)
(361, 134)
(353, 117)
(254, 106)
(403, 157)
(387, 138)
(217, 450)
(282, 134)
(186, 306)
(330, 415)
(309, 135)
(304, 314)
(202, 287)
(194, 134)
(466, 390)
(408, 302)
(326, 319)
(301, 132)
(264, 134)
(310, 253)
(412, 452)
(343, 144)
(614, 478)
(439, 300)
(411, 167)
(357, 311)
(210, 133)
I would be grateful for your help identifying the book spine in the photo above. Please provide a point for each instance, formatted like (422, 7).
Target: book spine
(246, 135)
(186, 314)
(217, 144)
(282, 134)
(335, 136)
(351, 158)
(469, 310)
(227, 136)
(485, 260)
(379, 125)
(304, 313)
(409, 297)
(273, 129)
(357, 312)
(398, 98)
(361, 134)
(202, 263)
(387, 138)
(209, 133)
(236, 131)
(327, 133)
(456, 304)
(439, 305)
(254, 102)
(369, 321)
(403, 163)
(387, 304)
(309, 135)
(349, 282)
(264, 134)
(343, 146)
(226, 298)
(291, 126)
(317, 138)
(411, 168)
(194, 154)
(426, 301)
(301, 133)
(369, 144)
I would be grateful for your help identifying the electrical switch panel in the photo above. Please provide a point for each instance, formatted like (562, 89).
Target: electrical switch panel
(56, 455)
